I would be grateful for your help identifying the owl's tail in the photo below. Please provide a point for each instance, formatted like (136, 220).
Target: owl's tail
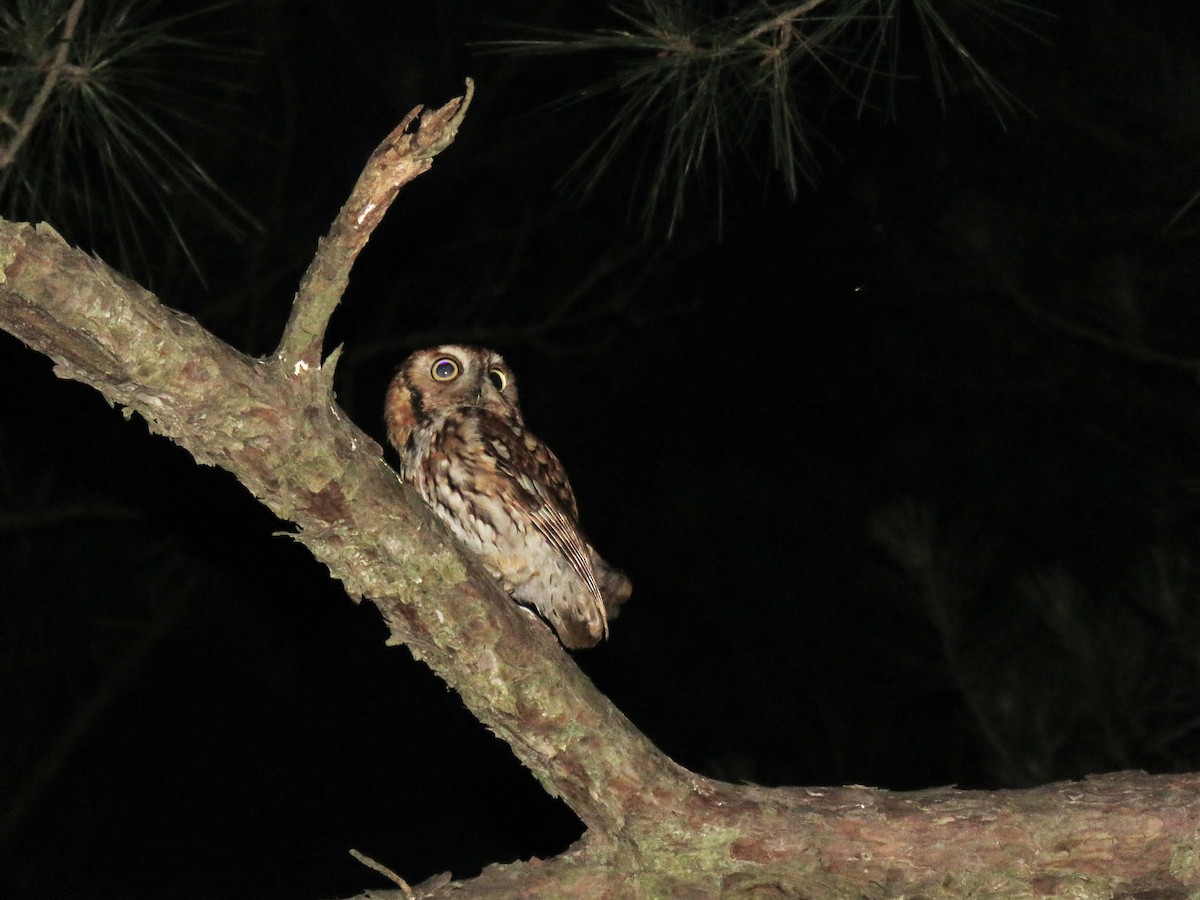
(615, 586)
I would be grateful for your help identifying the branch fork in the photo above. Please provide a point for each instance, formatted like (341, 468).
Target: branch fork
(402, 156)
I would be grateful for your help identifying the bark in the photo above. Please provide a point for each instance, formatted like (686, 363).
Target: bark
(653, 828)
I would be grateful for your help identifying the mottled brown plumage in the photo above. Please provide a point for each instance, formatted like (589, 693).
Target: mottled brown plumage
(453, 416)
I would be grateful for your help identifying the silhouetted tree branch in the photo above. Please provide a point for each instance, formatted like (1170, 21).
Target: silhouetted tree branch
(653, 828)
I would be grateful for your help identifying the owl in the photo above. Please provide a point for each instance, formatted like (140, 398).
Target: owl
(453, 416)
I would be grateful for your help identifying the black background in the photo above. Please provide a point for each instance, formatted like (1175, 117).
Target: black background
(190, 708)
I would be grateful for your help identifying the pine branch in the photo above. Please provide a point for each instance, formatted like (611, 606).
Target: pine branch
(697, 90)
(784, 23)
(93, 99)
(54, 73)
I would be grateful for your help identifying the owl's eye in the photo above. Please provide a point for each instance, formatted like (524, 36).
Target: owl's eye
(445, 369)
(498, 379)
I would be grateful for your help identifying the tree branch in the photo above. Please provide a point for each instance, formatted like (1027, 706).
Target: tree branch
(785, 22)
(279, 432)
(54, 72)
(654, 829)
(401, 157)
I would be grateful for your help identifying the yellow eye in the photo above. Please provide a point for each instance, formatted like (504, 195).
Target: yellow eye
(445, 369)
(498, 379)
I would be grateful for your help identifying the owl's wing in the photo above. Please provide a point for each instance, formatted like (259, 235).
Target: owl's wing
(534, 481)
(537, 459)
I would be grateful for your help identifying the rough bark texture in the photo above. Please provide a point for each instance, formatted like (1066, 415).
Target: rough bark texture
(654, 829)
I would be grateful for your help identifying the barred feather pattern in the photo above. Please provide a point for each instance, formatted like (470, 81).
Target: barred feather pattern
(453, 416)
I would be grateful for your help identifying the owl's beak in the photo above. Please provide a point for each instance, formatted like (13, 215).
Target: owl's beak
(489, 394)
(490, 398)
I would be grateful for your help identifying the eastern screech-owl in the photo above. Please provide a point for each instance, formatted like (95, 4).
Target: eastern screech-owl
(453, 416)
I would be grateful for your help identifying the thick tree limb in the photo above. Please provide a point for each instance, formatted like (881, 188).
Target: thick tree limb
(654, 829)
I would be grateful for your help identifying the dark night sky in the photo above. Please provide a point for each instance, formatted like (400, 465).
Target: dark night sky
(903, 471)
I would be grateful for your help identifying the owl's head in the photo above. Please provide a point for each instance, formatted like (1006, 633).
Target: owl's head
(434, 382)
